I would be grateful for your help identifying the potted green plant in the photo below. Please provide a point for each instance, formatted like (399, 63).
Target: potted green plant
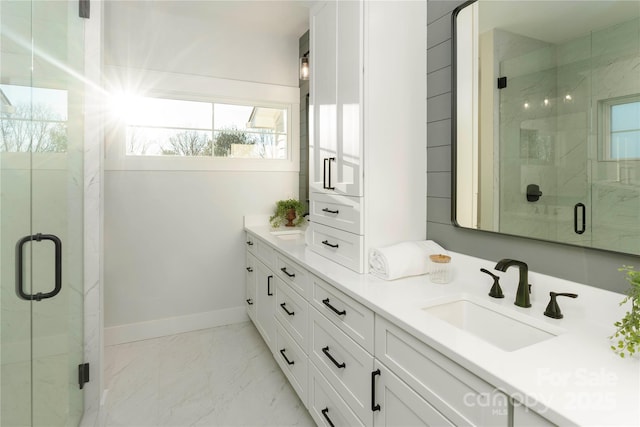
(627, 333)
(289, 211)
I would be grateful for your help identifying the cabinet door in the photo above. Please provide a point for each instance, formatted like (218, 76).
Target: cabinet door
(265, 303)
(525, 417)
(335, 125)
(398, 404)
(323, 132)
(250, 286)
(346, 173)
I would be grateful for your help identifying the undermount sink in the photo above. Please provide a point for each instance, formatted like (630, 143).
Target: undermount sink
(288, 234)
(495, 327)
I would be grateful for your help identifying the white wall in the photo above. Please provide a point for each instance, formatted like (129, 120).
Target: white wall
(174, 246)
(209, 38)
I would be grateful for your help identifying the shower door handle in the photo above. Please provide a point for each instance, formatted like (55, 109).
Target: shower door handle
(579, 206)
(20, 266)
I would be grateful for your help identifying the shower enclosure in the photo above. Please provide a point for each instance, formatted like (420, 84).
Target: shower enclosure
(569, 133)
(41, 213)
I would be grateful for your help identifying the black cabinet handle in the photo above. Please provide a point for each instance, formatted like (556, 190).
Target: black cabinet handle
(325, 414)
(20, 266)
(250, 270)
(269, 293)
(284, 270)
(374, 405)
(331, 159)
(335, 310)
(326, 183)
(250, 301)
(290, 313)
(289, 362)
(327, 210)
(326, 242)
(325, 350)
(575, 218)
(250, 243)
(324, 172)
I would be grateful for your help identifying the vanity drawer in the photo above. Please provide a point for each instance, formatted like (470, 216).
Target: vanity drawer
(340, 246)
(292, 311)
(345, 364)
(296, 276)
(293, 362)
(337, 211)
(443, 383)
(265, 253)
(325, 406)
(250, 286)
(350, 316)
(250, 243)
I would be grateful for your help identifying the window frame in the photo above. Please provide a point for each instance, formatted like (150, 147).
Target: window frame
(199, 89)
(604, 113)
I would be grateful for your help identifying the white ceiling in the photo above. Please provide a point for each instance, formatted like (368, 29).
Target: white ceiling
(555, 21)
(287, 18)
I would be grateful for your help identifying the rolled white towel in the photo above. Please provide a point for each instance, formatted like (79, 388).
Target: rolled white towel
(403, 259)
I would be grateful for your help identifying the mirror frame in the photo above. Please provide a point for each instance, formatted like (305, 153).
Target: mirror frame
(454, 151)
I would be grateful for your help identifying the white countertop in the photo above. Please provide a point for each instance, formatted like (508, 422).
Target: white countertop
(573, 378)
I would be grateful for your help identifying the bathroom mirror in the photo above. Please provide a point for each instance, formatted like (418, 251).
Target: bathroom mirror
(546, 120)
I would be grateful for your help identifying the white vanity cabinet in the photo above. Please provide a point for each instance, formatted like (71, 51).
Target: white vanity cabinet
(459, 395)
(398, 405)
(265, 303)
(351, 366)
(250, 285)
(367, 161)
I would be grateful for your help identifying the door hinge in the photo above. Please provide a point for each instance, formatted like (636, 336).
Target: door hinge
(83, 374)
(84, 8)
(502, 82)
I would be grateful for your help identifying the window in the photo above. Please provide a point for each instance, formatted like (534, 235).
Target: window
(33, 119)
(171, 121)
(171, 127)
(621, 128)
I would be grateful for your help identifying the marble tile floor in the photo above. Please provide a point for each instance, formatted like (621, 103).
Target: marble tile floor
(222, 376)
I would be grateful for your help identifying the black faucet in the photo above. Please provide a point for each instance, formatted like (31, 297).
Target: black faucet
(522, 294)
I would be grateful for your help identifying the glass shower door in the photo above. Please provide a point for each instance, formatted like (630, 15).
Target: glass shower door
(544, 140)
(41, 213)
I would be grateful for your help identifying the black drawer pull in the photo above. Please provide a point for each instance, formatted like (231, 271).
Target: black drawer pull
(250, 270)
(325, 350)
(250, 243)
(374, 405)
(326, 242)
(335, 310)
(290, 313)
(289, 362)
(330, 211)
(284, 270)
(250, 301)
(325, 414)
(269, 293)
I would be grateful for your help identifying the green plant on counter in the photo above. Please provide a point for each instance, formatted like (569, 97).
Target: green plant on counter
(628, 328)
(282, 208)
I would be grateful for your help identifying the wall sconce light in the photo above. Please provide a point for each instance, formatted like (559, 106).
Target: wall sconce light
(304, 67)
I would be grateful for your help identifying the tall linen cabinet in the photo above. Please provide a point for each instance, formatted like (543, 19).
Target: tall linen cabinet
(367, 127)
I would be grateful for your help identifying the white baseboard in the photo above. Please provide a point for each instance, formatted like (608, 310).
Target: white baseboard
(173, 325)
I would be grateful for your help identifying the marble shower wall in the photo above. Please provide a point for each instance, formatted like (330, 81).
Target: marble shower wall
(549, 135)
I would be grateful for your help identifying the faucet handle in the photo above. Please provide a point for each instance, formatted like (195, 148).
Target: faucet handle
(553, 309)
(496, 290)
